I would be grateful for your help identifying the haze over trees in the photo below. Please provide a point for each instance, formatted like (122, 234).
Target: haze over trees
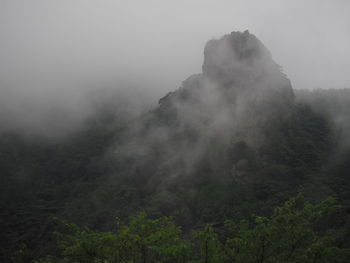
(232, 141)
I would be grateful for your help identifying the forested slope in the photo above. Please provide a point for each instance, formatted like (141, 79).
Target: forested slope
(231, 141)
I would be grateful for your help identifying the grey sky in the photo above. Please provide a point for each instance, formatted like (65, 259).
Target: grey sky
(164, 39)
(57, 48)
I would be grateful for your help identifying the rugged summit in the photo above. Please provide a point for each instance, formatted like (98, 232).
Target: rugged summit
(234, 126)
(225, 122)
(241, 61)
(240, 92)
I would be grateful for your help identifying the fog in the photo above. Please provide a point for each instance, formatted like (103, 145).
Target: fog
(57, 57)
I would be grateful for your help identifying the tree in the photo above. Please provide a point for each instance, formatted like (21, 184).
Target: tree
(141, 240)
(208, 246)
(294, 233)
(289, 235)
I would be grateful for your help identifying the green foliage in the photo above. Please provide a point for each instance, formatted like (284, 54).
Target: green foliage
(141, 240)
(291, 235)
(85, 245)
(287, 236)
(208, 246)
(151, 240)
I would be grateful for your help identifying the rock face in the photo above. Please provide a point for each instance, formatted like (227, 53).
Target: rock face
(219, 120)
(241, 61)
(234, 126)
(240, 92)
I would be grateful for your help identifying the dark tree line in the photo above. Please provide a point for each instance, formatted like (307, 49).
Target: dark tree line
(295, 232)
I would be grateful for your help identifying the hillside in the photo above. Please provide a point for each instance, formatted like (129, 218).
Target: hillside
(231, 141)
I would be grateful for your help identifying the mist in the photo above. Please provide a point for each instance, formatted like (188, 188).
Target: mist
(59, 57)
(205, 112)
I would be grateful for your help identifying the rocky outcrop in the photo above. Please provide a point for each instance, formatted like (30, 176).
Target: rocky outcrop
(239, 94)
(236, 122)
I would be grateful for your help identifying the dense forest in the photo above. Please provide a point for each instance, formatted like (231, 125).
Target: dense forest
(234, 166)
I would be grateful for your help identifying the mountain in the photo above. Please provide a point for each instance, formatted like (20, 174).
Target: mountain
(240, 91)
(231, 141)
(228, 142)
(242, 97)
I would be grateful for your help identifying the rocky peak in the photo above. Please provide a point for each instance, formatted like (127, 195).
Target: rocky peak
(240, 61)
(237, 58)
(238, 104)
(241, 92)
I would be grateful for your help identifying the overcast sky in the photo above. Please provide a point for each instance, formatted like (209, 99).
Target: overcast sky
(56, 48)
